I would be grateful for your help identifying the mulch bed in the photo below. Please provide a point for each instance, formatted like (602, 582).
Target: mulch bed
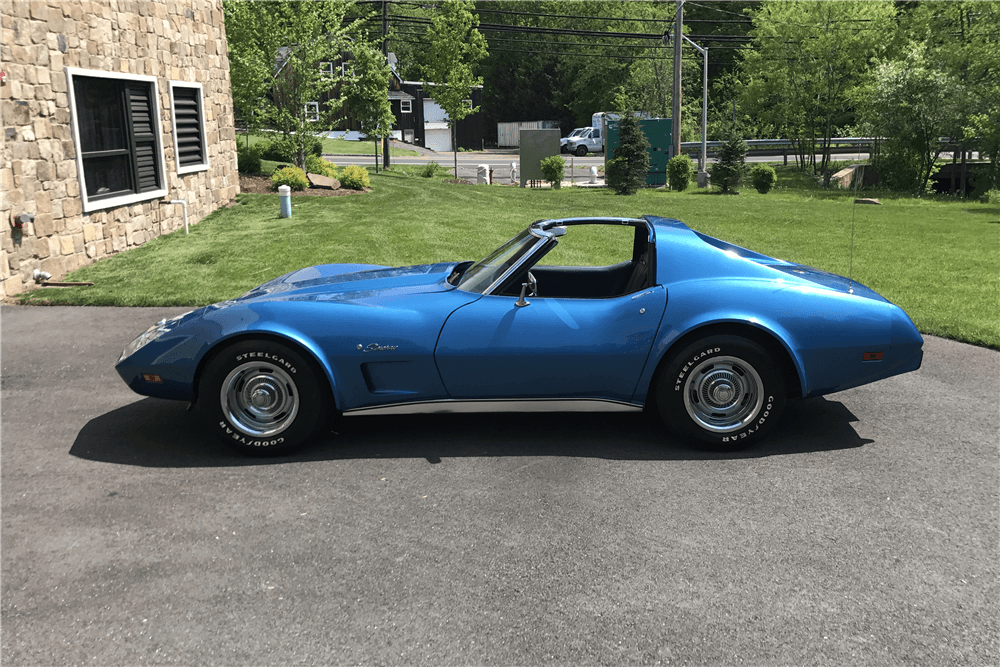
(263, 185)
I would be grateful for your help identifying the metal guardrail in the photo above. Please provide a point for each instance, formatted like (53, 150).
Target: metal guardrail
(783, 147)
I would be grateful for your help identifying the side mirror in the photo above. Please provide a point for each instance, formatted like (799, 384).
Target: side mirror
(521, 303)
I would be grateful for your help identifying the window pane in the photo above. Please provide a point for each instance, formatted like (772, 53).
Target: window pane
(107, 175)
(100, 118)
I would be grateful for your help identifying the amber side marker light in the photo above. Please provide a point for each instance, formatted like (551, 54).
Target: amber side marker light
(149, 377)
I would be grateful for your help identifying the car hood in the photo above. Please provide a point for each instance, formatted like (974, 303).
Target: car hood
(350, 282)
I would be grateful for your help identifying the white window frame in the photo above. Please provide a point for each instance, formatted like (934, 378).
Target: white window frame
(346, 68)
(201, 119)
(312, 112)
(123, 200)
(406, 106)
(326, 67)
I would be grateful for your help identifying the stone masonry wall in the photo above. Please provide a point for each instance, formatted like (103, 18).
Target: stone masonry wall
(180, 40)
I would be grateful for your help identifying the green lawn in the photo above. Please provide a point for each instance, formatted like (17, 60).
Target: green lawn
(937, 259)
(334, 146)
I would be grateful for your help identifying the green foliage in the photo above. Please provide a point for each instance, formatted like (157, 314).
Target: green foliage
(430, 169)
(293, 177)
(961, 42)
(763, 177)
(274, 53)
(286, 149)
(366, 92)
(679, 172)
(991, 196)
(354, 177)
(454, 48)
(808, 65)
(630, 158)
(317, 165)
(913, 103)
(248, 158)
(730, 168)
(553, 168)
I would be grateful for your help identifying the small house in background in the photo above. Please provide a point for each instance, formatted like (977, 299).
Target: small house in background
(419, 119)
(112, 112)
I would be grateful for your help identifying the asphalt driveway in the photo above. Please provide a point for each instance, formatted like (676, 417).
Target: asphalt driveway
(866, 531)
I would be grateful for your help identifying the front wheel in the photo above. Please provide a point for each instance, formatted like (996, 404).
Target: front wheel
(725, 392)
(581, 151)
(261, 397)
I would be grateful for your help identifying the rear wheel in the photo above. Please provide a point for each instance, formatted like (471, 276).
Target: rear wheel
(261, 397)
(723, 392)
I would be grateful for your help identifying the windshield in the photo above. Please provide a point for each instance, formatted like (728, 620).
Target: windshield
(577, 132)
(488, 270)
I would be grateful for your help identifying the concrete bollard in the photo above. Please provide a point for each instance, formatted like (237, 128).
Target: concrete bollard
(593, 174)
(286, 200)
(483, 174)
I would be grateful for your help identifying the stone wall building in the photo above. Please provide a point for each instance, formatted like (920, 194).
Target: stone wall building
(109, 110)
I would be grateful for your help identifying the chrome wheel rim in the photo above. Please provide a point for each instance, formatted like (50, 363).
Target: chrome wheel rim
(260, 399)
(723, 394)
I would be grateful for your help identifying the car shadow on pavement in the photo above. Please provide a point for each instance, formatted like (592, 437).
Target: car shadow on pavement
(158, 433)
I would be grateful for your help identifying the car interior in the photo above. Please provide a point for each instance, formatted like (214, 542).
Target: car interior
(550, 278)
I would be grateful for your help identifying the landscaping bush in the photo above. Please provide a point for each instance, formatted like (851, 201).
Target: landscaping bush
(354, 177)
(286, 149)
(679, 172)
(553, 168)
(293, 177)
(430, 169)
(248, 158)
(763, 178)
(728, 172)
(317, 165)
(991, 197)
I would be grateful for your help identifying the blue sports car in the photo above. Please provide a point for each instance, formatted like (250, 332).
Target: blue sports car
(715, 336)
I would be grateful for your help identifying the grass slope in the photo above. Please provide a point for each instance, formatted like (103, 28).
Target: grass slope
(935, 258)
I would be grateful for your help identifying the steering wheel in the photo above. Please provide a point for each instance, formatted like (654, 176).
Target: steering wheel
(532, 284)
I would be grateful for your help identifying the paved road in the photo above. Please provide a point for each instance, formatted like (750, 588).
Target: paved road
(865, 532)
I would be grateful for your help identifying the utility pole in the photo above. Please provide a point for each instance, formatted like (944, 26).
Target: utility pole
(676, 121)
(385, 54)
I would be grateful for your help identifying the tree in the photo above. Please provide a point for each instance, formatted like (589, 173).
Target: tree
(629, 163)
(367, 95)
(730, 167)
(275, 51)
(913, 104)
(808, 60)
(961, 40)
(451, 56)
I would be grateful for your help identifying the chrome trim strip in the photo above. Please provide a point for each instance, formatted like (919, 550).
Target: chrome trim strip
(507, 405)
(517, 265)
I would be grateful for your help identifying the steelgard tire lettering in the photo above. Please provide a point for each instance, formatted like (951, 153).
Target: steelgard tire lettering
(684, 370)
(269, 357)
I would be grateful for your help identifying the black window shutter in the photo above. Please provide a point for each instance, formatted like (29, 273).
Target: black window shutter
(190, 142)
(141, 111)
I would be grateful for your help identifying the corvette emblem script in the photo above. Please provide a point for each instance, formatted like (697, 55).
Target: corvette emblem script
(375, 347)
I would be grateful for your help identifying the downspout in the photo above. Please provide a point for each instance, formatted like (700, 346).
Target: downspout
(183, 203)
